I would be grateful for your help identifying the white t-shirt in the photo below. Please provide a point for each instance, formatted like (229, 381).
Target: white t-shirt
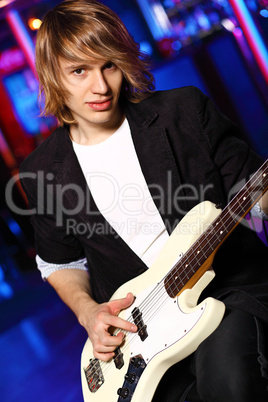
(119, 189)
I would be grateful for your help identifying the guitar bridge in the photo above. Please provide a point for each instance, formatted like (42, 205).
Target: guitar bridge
(94, 375)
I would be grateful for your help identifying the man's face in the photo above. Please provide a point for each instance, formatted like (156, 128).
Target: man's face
(94, 86)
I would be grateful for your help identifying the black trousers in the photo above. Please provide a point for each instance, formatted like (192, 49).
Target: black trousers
(229, 366)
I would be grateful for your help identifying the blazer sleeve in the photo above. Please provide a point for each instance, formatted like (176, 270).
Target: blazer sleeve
(52, 242)
(232, 155)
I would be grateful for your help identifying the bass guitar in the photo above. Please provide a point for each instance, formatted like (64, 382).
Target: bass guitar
(171, 325)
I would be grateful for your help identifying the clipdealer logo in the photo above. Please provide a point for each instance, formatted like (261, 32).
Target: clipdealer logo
(48, 196)
(63, 203)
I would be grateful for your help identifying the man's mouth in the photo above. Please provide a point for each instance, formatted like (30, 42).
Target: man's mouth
(100, 105)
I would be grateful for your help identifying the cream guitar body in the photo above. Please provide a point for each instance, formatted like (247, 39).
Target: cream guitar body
(171, 328)
(171, 325)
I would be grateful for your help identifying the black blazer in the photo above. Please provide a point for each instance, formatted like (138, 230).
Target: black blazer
(189, 152)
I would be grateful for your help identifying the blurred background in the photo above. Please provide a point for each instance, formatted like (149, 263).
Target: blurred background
(219, 46)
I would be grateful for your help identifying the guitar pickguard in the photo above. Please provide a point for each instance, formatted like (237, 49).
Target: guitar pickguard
(166, 324)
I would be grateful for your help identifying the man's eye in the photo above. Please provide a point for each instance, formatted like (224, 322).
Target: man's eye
(110, 65)
(79, 71)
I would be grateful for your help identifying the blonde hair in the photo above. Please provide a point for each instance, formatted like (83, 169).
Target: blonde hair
(90, 28)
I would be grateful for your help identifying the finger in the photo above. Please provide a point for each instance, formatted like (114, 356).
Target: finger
(106, 349)
(103, 356)
(111, 341)
(100, 348)
(121, 304)
(119, 323)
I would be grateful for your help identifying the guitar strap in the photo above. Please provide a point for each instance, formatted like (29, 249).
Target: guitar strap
(244, 301)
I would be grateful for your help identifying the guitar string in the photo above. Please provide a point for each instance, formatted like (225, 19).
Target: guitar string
(132, 336)
(155, 292)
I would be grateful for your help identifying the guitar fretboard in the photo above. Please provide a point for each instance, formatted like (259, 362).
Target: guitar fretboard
(217, 232)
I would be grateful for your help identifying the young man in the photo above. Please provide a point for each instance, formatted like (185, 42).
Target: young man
(110, 184)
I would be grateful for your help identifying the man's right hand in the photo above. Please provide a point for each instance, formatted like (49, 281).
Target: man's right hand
(73, 286)
(97, 319)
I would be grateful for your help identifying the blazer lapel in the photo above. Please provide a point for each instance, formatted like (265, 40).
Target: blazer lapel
(157, 162)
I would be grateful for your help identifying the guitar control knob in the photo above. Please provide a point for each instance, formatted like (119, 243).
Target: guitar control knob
(130, 377)
(136, 361)
(123, 392)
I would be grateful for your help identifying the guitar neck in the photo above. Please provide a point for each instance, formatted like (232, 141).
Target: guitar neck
(213, 237)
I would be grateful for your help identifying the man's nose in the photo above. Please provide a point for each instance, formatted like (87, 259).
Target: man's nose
(99, 84)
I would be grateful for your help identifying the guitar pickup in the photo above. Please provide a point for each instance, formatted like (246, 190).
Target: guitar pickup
(142, 328)
(118, 358)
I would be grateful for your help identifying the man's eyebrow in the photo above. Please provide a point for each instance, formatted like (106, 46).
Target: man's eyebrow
(76, 66)
(84, 64)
